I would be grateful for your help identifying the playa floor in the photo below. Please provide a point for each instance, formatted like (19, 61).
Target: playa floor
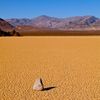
(71, 65)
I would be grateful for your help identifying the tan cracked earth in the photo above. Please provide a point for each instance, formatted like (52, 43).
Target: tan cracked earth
(69, 64)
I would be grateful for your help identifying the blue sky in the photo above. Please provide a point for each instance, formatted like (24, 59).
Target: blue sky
(56, 8)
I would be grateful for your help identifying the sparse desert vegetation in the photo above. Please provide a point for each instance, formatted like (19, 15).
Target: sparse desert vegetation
(11, 33)
(69, 64)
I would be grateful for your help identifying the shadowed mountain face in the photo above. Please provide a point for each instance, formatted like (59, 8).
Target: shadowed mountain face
(4, 25)
(71, 23)
(7, 29)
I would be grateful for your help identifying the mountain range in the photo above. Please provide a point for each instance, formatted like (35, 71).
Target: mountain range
(47, 22)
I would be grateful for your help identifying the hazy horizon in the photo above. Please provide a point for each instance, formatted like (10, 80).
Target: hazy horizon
(54, 8)
(48, 16)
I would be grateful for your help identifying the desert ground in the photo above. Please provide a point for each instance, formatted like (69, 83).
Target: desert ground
(71, 65)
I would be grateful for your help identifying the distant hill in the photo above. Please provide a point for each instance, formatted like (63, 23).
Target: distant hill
(19, 22)
(7, 29)
(71, 23)
(4, 25)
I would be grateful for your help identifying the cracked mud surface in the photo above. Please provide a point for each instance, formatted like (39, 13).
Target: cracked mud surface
(69, 64)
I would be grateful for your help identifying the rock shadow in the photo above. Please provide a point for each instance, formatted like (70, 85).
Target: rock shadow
(48, 88)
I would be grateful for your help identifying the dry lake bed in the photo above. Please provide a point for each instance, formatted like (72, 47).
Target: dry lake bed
(69, 67)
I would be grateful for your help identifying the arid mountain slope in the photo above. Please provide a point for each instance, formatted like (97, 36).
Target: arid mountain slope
(71, 23)
(4, 25)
